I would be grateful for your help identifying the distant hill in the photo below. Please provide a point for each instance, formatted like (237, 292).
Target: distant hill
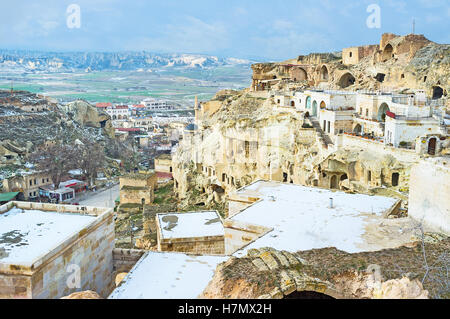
(99, 61)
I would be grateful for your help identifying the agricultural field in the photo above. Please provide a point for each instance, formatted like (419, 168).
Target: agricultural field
(177, 85)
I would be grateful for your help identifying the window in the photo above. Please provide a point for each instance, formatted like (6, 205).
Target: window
(351, 54)
(367, 112)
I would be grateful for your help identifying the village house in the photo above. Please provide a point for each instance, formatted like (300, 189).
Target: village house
(138, 188)
(27, 183)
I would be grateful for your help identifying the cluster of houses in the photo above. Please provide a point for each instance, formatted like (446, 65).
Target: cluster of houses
(400, 120)
(38, 186)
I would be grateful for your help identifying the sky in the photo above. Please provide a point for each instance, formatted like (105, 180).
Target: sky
(254, 29)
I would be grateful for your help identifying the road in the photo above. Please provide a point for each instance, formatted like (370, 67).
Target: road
(104, 198)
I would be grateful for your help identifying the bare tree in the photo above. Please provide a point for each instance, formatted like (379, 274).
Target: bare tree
(55, 159)
(90, 159)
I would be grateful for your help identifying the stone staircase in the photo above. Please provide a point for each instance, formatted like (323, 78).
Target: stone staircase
(325, 138)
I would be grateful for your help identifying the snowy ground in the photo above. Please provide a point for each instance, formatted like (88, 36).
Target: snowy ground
(302, 218)
(104, 198)
(168, 276)
(26, 235)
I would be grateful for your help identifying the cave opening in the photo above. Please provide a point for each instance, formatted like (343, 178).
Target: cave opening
(438, 92)
(380, 77)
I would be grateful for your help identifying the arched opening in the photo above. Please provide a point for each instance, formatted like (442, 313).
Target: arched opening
(347, 80)
(333, 182)
(324, 73)
(307, 114)
(119, 117)
(357, 129)
(343, 177)
(114, 117)
(293, 103)
(299, 74)
(307, 294)
(315, 182)
(388, 52)
(314, 109)
(438, 92)
(323, 105)
(395, 178)
(382, 112)
(308, 102)
(432, 146)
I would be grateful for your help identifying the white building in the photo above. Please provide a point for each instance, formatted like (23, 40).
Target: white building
(403, 131)
(156, 105)
(313, 101)
(118, 112)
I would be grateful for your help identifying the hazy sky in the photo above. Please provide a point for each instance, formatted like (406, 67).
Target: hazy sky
(271, 29)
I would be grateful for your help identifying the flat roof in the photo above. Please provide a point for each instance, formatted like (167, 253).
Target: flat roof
(26, 235)
(160, 275)
(302, 219)
(189, 225)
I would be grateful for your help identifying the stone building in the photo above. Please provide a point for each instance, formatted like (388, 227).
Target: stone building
(163, 163)
(59, 249)
(27, 184)
(194, 232)
(138, 188)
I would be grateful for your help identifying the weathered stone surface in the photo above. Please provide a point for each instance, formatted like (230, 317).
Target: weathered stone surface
(83, 295)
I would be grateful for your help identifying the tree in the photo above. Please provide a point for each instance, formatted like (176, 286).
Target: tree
(56, 159)
(90, 159)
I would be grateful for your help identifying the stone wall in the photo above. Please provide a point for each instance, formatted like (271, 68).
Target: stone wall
(210, 245)
(135, 195)
(87, 253)
(429, 200)
(92, 253)
(125, 259)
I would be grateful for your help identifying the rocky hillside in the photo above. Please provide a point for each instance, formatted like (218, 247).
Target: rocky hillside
(23, 130)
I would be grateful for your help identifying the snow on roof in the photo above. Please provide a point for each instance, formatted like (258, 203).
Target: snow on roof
(168, 276)
(26, 235)
(302, 218)
(189, 225)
